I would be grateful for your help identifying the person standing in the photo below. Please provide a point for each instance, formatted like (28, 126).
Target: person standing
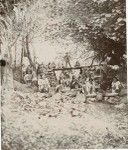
(67, 60)
(34, 78)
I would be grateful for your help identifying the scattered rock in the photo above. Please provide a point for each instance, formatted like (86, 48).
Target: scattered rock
(75, 112)
(113, 100)
(99, 97)
(120, 106)
(92, 99)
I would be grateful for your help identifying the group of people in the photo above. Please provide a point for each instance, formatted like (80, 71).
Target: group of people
(67, 79)
(36, 76)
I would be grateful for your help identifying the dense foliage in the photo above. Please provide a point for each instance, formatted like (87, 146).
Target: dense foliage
(100, 23)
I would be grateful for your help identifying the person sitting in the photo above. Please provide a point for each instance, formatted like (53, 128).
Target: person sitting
(80, 78)
(77, 64)
(49, 65)
(23, 70)
(28, 79)
(74, 83)
(116, 86)
(53, 65)
(89, 86)
(29, 69)
(62, 65)
(93, 86)
(43, 84)
(58, 88)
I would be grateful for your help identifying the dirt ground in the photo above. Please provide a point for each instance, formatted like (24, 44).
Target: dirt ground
(34, 121)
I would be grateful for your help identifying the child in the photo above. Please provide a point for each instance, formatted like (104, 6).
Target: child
(27, 79)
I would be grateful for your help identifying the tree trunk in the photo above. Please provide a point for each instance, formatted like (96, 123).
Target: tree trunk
(0, 46)
(21, 63)
(28, 53)
(15, 55)
(6, 74)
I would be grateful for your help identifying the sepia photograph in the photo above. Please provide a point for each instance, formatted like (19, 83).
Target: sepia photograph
(63, 74)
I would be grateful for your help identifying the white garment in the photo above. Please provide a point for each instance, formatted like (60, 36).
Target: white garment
(43, 83)
(24, 68)
(116, 85)
(115, 67)
(40, 81)
(34, 76)
(27, 77)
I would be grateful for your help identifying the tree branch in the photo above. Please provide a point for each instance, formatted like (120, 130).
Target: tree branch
(14, 41)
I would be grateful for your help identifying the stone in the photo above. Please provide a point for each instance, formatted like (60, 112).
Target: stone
(120, 106)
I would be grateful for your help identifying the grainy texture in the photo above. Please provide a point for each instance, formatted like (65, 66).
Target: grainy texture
(63, 80)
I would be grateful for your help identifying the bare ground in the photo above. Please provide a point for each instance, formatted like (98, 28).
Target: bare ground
(34, 121)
